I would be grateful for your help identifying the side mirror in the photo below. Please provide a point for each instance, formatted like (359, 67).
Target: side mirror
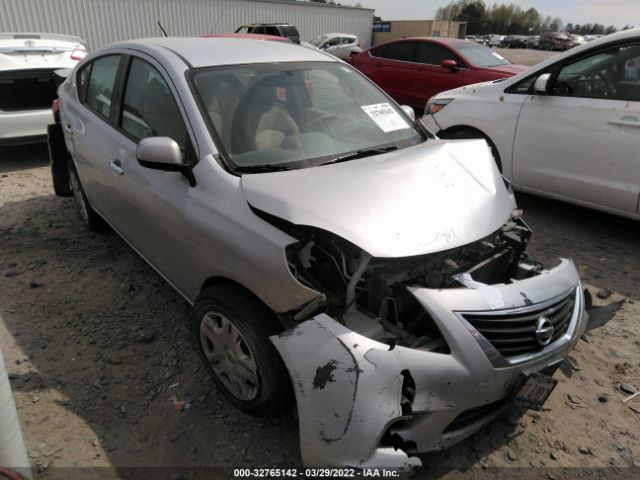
(450, 64)
(409, 111)
(541, 84)
(163, 153)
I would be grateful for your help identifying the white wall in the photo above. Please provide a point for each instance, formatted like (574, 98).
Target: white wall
(100, 22)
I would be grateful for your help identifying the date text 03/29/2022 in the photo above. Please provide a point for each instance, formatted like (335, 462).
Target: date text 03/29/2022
(315, 473)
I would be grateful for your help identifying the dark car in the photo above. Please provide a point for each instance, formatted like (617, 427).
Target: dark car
(514, 41)
(555, 41)
(412, 70)
(276, 29)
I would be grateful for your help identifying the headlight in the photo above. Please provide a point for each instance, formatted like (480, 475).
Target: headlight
(437, 104)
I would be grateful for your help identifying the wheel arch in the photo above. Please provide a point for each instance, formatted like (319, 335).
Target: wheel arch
(457, 132)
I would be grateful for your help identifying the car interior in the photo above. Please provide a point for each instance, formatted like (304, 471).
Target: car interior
(291, 115)
(611, 74)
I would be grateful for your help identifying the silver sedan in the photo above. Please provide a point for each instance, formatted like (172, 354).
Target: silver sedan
(331, 247)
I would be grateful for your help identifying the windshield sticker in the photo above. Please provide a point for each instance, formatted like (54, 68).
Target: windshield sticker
(385, 117)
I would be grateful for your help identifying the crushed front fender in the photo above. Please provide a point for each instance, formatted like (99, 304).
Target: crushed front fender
(349, 389)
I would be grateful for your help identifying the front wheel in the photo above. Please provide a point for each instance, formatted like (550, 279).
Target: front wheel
(233, 329)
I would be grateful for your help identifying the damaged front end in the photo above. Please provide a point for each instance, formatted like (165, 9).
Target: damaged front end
(399, 356)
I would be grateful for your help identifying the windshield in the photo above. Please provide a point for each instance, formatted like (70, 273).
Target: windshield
(480, 56)
(319, 40)
(297, 115)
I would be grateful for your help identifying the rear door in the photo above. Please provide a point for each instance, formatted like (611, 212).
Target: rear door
(89, 129)
(582, 141)
(395, 70)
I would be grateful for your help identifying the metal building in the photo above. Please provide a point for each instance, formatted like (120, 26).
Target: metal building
(418, 28)
(100, 22)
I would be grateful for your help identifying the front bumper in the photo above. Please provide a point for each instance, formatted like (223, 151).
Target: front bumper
(362, 403)
(24, 126)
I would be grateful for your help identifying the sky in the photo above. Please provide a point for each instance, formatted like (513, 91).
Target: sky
(608, 12)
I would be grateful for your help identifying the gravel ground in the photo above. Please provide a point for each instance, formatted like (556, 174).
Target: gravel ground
(97, 347)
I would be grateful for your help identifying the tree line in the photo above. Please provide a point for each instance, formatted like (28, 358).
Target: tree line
(511, 19)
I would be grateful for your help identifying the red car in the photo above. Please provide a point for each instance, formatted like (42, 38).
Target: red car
(412, 70)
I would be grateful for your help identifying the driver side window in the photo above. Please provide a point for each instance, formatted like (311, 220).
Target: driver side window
(149, 109)
(608, 74)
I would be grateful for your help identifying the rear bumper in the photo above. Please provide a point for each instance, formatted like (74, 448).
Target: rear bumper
(363, 404)
(21, 127)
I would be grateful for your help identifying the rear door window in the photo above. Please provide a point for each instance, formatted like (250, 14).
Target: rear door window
(149, 108)
(272, 31)
(100, 88)
(404, 51)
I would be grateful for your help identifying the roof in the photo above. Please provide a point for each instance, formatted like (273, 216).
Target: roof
(249, 36)
(204, 52)
(442, 40)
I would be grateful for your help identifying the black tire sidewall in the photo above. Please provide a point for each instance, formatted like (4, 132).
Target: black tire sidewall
(256, 324)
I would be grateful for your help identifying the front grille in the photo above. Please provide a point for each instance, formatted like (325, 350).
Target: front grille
(473, 415)
(514, 332)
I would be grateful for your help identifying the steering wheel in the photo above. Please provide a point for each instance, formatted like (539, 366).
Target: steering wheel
(608, 89)
(324, 119)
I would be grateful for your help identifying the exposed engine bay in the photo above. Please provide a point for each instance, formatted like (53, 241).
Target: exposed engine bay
(369, 295)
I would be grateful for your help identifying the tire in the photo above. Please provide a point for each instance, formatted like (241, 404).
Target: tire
(90, 218)
(58, 158)
(468, 133)
(233, 330)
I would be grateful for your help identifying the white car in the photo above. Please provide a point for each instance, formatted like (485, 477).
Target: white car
(495, 40)
(27, 85)
(568, 128)
(340, 45)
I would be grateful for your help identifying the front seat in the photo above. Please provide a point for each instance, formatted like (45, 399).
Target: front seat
(262, 120)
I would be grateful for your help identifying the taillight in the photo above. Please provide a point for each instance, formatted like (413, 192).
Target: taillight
(78, 53)
(55, 109)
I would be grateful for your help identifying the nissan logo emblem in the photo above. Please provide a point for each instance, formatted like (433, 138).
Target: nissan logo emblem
(544, 331)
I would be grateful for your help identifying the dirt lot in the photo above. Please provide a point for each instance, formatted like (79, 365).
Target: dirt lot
(96, 344)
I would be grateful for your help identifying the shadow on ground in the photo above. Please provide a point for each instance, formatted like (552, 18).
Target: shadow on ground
(13, 159)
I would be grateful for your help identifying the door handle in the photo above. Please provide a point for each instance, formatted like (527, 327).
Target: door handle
(116, 166)
(67, 127)
(625, 123)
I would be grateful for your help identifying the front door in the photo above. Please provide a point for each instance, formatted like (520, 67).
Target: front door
(149, 208)
(581, 141)
(433, 78)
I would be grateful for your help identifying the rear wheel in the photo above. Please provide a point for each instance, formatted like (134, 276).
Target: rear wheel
(90, 218)
(463, 132)
(233, 330)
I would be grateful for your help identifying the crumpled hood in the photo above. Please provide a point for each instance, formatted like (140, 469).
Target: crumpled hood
(424, 199)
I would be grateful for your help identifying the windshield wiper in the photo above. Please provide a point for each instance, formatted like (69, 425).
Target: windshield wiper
(262, 168)
(369, 152)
